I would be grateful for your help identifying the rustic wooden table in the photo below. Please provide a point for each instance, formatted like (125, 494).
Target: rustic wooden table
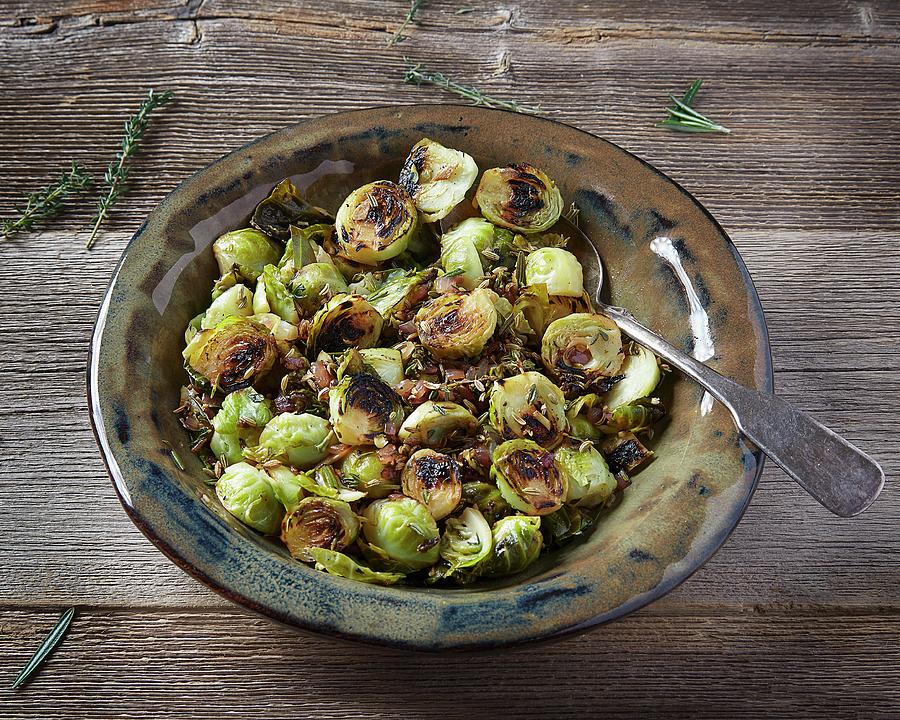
(799, 613)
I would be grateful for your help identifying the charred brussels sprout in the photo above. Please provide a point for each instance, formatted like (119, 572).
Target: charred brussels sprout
(248, 251)
(284, 207)
(586, 474)
(363, 406)
(487, 499)
(316, 283)
(337, 563)
(298, 438)
(386, 363)
(318, 522)
(437, 424)
(519, 197)
(404, 532)
(581, 348)
(528, 406)
(437, 178)
(365, 471)
(245, 492)
(556, 268)
(641, 373)
(517, 543)
(242, 415)
(624, 452)
(346, 321)
(527, 477)
(467, 540)
(462, 248)
(233, 354)
(375, 223)
(236, 301)
(457, 326)
(432, 478)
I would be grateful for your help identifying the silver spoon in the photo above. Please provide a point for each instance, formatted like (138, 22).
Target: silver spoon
(837, 474)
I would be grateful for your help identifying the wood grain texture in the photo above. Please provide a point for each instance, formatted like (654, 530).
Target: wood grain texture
(798, 614)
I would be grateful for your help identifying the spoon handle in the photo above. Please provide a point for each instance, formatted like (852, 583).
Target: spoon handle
(837, 474)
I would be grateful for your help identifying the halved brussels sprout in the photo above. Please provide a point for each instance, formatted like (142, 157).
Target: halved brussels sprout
(363, 406)
(565, 523)
(344, 566)
(641, 371)
(586, 474)
(581, 348)
(399, 292)
(437, 178)
(541, 309)
(457, 326)
(236, 301)
(245, 492)
(375, 223)
(519, 197)
(346, 321)
(387, 363)
(404, 532)
(556, 268)
(517, 543)
(437, 424)
(278, 297)
(467, 540)
(315, 284)
(233, 354)
(528, 406)
(286, 484)
(462, 248)
(318, 522)
(365, 471)
(635, 416)
(242, 415)
(527, 477)
(487, 499)
(299, 438)
(248, 251)
(284, 207)
(432, 478)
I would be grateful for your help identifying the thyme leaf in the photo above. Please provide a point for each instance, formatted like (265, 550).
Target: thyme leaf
(43, 204)
(50, 642)
(683, 117)
(398, 36)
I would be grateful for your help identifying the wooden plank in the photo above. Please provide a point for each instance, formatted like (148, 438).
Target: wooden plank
(183, 664)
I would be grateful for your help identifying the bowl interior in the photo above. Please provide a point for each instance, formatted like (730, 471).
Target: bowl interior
(677, 512)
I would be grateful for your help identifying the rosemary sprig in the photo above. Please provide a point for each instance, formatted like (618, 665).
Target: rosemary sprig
(684, 118)
(50, 642)
(118, 169)
(464, 10)
(399, 37)
(46, 202)
(418, 74)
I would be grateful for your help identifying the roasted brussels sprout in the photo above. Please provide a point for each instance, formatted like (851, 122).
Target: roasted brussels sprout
(635, 416)
(517, 542)
(586, 475)
(457, 326)
(247, 251)
(624, 452)
(286, 485)
(278, 297)
(433, 479)
(364, 471)
(386, 363)
(565, 523)
(397, 295)
(363, 406)
(242, 415)
(581, 348)
(315, 284)
(233, 354)
(467, 540)
(245, 492)
(404, 533)
(541, 309)
(236, 301)
(462, 247)
(437, 178)
(337, 563)
(519, 197)
(641, 372)
(375, 223)
(318, 522)
(556, 268)
(299, 438)
(305, 247)
(527, 477)
(580, 427)
(438, 424)
(284, 207)
(346, 321)
(281, 329)
(528, 406)
(487, 499)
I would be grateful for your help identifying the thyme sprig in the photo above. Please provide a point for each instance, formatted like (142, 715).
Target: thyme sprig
(50, 642)
(43, 204)
(398, 36)
(117, 171)
(683, 117)
(418, 74)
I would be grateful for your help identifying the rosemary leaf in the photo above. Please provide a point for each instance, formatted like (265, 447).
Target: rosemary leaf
(43, 204)
(418, 74)
(116, 174)
(50, 642)
(399, 37)
(685, 118)
(464, 10)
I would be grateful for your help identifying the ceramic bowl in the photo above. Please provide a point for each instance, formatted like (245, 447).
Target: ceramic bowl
(679, 510)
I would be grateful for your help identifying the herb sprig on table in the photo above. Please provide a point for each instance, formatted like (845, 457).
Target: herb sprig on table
(50, 642)
(45, 203)
(398, 36)
(683, 117)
